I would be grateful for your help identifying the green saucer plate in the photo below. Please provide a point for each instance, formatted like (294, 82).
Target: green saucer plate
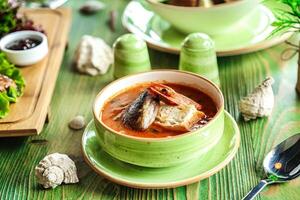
(248, 36)
(169, 177)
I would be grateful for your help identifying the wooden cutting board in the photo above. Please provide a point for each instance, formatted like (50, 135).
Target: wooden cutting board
(28, 115)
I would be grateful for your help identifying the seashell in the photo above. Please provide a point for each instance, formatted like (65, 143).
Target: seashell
(91, 7)
(93, 56)
(141, 113)
(77, 123)
(260, 102)
(55, 169)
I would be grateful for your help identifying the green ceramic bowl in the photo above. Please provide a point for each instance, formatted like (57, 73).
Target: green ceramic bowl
(160, 152)
(213, 20)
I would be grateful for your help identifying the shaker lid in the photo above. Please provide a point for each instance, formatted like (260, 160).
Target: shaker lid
(129, 42)
(198, 41)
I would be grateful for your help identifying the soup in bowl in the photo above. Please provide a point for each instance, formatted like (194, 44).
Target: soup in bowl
(160, 118)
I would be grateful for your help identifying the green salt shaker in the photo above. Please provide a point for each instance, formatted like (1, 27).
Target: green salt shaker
(198, 55)
(131, 56)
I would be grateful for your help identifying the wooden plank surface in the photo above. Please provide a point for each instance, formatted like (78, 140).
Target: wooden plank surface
(74, 94)
(28, 115)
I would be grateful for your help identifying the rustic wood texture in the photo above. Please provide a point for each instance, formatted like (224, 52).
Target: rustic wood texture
(74, 94)
(28, 115)
(298, 79)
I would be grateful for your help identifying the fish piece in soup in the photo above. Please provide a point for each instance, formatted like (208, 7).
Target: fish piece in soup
(141, 113)
(178, 118)
(170, 96)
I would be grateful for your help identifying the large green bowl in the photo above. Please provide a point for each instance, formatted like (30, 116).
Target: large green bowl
(213, 20)
(160, 152)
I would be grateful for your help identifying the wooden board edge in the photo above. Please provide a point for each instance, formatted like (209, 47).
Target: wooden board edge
(18, 133)
(66, 25)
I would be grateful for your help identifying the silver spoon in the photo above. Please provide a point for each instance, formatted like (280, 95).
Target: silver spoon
(281, 164)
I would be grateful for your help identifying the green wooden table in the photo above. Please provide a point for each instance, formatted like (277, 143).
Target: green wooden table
(75, 93)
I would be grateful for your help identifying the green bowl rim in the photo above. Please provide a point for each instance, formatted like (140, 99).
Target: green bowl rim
(217, 115)
(218, 6)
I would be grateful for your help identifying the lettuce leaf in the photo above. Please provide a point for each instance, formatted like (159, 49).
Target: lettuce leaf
(8, 69)
(4, 105)
(12, 93)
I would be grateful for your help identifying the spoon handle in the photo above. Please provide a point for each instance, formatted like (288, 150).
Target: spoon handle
(257, 189)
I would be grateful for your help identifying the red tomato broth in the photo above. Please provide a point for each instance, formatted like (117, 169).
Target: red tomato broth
(128, 95)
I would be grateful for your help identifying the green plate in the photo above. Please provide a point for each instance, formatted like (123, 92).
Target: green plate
(245, 37)
(143, 177)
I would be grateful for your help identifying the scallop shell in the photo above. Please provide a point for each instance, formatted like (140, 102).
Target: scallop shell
(56, 169)
(93, 56)
(260, 102)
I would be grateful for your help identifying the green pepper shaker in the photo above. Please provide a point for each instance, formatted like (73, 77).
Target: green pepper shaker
(130, 56)
(198, 55)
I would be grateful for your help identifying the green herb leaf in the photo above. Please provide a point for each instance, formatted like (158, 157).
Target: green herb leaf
(287, 19)
(8, 18)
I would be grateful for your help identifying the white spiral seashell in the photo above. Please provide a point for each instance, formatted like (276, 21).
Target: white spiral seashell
(56, 169)
(260, 102)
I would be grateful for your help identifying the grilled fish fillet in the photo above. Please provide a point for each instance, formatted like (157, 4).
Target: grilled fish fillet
(141, 113)
(178, 118)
